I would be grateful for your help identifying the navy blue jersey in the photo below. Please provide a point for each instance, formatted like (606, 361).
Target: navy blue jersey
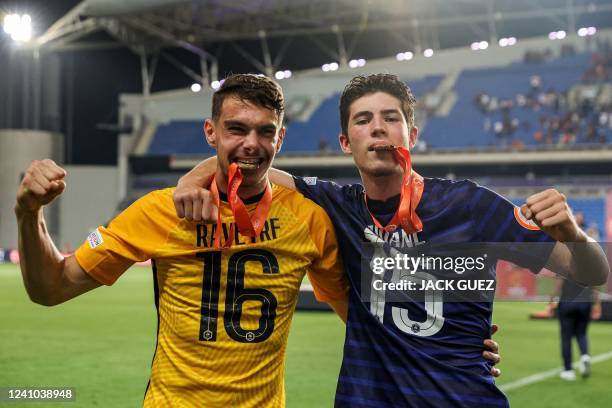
(419, 354)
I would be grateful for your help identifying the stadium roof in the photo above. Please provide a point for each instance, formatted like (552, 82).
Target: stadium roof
(263, 35)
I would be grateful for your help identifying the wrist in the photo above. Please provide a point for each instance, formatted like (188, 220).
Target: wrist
(22, 212)
(580, 236)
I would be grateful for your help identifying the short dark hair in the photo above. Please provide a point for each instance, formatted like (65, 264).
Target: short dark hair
(257, 89)
(365, 85)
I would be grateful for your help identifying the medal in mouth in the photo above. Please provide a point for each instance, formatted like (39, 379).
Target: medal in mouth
(248, 164)
(382, 148)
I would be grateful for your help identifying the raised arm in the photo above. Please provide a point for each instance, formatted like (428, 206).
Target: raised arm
(48, 276)
(192, 199)
(575, 254)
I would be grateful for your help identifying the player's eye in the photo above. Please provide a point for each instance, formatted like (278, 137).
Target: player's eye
(268, 132)
(236, 129)
(391, 118)
(362, 121)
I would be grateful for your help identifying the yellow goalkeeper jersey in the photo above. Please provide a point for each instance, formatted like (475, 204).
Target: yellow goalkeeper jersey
(223, 316)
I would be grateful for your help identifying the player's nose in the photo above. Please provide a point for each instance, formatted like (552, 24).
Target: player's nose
(378, 127)
(250, 140)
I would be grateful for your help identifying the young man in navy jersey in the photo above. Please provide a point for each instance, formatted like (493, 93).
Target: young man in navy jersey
(417, 354)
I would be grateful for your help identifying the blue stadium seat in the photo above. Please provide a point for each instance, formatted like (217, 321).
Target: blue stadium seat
(179, 137)
(464, 125)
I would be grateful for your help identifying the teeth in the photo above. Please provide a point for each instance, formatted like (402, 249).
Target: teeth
(248, 164)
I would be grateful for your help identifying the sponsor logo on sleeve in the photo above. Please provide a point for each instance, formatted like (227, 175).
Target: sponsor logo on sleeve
(524, 222)
(95, 239)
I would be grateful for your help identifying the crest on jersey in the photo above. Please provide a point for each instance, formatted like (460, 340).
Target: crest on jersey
(311, 181)
(524, 222)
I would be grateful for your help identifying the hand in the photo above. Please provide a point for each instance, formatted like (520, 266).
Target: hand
(596, 311)
(194, 203)
(492, 352)
(549, 210)
(43, 181)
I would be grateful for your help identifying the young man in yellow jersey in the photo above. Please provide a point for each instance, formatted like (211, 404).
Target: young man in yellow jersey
(225, 292)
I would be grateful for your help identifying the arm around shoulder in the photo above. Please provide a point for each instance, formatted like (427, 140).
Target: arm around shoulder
(282, 178)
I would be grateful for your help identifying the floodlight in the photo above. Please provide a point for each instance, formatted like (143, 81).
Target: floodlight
(19, 27)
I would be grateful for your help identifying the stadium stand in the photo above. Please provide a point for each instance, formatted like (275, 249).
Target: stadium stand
(179, 137)
(467, 126)
(318, 133)
(519, 113)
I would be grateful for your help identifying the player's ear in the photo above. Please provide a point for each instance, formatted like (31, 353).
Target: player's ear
(414, 136)
(209, 133)
(281, 138)
(345, 144)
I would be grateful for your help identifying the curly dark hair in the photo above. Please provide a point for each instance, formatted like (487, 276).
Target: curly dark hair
(365, 85)
(257, 89)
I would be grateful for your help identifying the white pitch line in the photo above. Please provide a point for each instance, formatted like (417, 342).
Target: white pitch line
(549, 373)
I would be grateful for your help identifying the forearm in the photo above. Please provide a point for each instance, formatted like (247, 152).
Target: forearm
(200, 175)
(340, 307)
(41, 262)
(596, 298)
(589, 263)
(282, 178)
(556, 290)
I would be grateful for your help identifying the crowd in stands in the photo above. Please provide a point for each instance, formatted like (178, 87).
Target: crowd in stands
(582, 114)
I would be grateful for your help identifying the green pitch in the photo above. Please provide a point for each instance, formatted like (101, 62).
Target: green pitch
(102, 343)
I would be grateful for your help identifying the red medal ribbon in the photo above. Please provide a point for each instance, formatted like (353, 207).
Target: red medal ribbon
(410, 195)
(247, 226)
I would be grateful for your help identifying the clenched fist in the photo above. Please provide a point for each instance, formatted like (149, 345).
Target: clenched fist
(43, 181)
(194, 203)
(549, 210)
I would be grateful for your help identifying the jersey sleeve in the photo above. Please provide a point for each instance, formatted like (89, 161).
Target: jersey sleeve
(498, 221)
(327, 194)
(133, 236)
(326, 275)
